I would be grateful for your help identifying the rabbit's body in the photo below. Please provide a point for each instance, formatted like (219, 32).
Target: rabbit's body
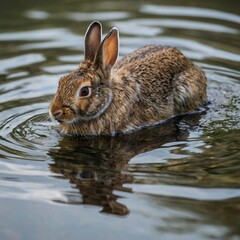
(151, 84)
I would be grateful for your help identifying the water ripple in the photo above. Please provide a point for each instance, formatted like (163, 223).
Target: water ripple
(100, 16)
(194, 49)
(28, 88)
(148, 26)
(35, 35)
(203, 194)
(189, 12)
(19, 61)
(33, 14)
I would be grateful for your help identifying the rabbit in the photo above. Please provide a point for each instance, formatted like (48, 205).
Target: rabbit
(104, 96)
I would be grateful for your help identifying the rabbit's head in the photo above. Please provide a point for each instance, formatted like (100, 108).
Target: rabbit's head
(86, 93)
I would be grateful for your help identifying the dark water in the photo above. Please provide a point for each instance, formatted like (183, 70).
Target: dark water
(180, 180)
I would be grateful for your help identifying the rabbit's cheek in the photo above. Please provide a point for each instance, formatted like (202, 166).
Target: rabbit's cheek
(83, 105)
(100, 104)
(94, 106)
(89, 107)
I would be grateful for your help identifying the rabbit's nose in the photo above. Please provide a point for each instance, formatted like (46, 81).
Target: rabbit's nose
(57, 113)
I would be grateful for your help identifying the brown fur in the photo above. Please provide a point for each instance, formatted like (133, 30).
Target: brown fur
(149, 85)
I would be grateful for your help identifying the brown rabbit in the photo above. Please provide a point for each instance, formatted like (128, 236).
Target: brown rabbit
(145, 87)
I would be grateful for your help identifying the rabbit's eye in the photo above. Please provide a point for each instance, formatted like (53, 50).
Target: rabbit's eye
(85, 92)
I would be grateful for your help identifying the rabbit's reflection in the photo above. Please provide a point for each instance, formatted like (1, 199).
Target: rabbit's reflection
(98, 167)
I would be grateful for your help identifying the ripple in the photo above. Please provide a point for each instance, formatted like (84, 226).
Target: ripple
(193, 49)
(82, 16)
(203, 194)
(137, 29)
(159, 156)
(22, 170)
(28, 88)
(147, 26)
(71, 58)
(68, 41)
(19, 61)
(24, 135)
(189, 12)
(35, 35)
(48, 38)
(34, 14)
(17, 75)
(60, 68)
(26, 182)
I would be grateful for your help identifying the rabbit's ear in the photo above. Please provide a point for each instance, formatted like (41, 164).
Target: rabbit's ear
(108, 51)
(92, 40)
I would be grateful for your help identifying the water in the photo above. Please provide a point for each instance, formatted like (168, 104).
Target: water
(179, 180)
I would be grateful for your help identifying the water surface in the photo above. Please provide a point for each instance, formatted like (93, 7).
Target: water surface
(179, 180)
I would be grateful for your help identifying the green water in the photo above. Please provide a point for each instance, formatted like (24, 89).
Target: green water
(180, 180)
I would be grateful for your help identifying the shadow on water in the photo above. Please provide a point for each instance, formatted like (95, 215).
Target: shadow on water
(99, 166)
(101, 170)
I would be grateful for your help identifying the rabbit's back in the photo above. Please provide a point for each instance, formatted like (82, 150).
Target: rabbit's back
(152, 55)
(169, 82)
